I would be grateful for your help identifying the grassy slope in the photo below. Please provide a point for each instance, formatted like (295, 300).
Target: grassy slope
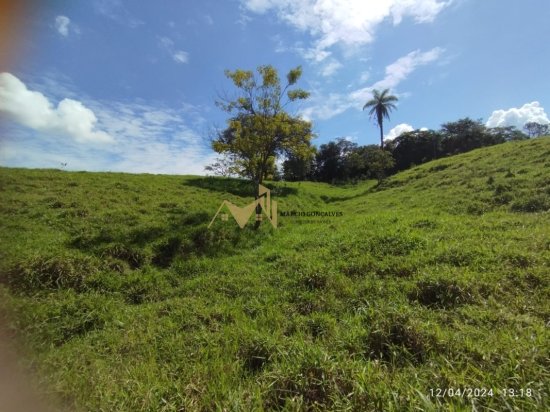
(437, 279)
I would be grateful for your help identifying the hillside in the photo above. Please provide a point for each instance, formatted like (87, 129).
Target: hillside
(437, 278)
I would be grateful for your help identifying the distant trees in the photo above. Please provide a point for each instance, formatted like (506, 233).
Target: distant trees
(381, 104)
(342, 160)
(535, 129)
(420, 146)
(332, 160)
(378, 163)
(506, 134)
(259, 128)
(415, 147)
(463, 135)
(296, 168)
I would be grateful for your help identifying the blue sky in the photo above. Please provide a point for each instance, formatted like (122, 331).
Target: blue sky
(130, 85)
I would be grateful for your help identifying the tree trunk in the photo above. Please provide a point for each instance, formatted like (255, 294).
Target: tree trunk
(381, 135)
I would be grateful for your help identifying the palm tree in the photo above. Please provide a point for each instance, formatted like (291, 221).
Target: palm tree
(381, 105)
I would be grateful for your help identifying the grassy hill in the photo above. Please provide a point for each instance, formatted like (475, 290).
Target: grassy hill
(438, 278)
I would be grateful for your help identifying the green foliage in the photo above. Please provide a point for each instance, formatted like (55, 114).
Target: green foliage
(259, 129)
(535, 129)
(380, 105)
(435, 278)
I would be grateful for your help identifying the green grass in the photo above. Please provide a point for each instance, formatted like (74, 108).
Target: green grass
(438, 278)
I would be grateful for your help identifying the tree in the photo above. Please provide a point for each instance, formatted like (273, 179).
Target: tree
(331, 161)
(503, 134)
(415, 147)
(259, 129)
(380, 106)
(223, 166)
(464, 135)
(378, 162)
(535, 129)
(296, 169)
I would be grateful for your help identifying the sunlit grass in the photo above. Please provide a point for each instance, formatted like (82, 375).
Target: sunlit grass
(437, 278)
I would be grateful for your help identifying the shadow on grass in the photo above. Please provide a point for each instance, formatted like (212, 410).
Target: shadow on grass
(330, 199)
(238, 187)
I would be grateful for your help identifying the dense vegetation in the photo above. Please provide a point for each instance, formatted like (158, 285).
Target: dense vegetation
(435, 278)
(343, 160)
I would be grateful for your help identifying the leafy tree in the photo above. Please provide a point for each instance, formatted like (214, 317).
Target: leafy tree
(223, 166)
(415, 147)
(535, 129)
(506, 134)
(331, 161)
(380, 106)
(464, 135)
(342, 160)
(378, 162)
(259, 128)
(297, 168)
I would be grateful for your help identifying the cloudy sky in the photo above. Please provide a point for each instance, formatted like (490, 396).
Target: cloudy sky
(130, 85)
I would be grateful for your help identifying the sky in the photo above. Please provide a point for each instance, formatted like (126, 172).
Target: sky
(130, 86)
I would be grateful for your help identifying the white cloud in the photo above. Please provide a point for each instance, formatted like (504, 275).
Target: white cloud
(529, 112)
(398, 131)
(145, 138)
(180, 56)
(349, 23)
(365, 76)
(62, 25)
(323, 107)
(32, 109)
(167, 45)
(330, 68)
(115, 10)
(398, 71)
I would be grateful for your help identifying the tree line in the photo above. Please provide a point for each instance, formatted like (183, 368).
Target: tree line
(260, 130)
(342, 160)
